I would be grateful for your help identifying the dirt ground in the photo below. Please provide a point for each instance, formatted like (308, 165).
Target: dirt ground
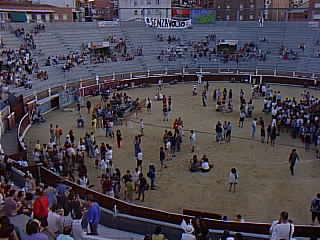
(265, 185)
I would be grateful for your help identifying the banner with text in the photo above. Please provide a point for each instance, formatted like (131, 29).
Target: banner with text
(166, 23)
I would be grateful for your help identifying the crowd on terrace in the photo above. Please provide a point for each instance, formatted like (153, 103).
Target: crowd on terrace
(117, 51)
(19, 67)
(207, 48)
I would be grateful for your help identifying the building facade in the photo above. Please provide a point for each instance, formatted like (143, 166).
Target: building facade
(106, 9)
(28, 12)
(57, 3)
(138, 9)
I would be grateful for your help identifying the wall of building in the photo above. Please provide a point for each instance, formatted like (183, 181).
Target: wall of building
(106, 9)
(243, 10)
(57, 3)
(103, 3)
(138, 9)
(280, 4)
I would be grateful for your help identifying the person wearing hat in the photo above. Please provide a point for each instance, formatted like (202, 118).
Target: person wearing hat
(188, 233)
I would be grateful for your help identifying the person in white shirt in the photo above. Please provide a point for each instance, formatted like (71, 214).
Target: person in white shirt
(141, 127)
(242, 117)
(282, 229)
(135, 177)
(109, 153)
(188, 234)
(193, 140)
(205, 166)
(233, 179)
(77, 230)
(253, 127)
(53, 220)
(139, 159)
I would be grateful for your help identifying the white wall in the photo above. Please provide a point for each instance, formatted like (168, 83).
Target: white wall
(133, 9)
(57, 3)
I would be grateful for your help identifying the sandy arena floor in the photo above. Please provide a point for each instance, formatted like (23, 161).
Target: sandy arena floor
(265, 185)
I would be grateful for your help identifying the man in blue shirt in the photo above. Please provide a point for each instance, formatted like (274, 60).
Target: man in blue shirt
(93, 215)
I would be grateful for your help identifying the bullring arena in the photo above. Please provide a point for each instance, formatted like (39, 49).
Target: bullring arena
(265, 186)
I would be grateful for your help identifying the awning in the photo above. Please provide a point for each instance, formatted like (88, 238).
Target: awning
(18, 16)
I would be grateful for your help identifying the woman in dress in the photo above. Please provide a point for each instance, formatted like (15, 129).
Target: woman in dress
(233, 179)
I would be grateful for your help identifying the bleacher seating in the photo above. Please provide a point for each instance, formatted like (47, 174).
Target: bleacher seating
(59, 39)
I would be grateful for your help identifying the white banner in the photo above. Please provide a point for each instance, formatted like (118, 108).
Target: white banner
(166, 23)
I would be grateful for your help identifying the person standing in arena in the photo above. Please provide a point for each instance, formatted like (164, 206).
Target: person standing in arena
(149, 105)
(141, 124)
(315, 209)
(293, 158)
(89, 106)
(233, 179)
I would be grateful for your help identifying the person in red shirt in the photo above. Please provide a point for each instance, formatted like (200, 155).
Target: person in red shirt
(107, 186)
(41, 207)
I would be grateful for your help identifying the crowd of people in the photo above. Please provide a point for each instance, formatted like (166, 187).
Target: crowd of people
(299, 117)
(26, 36)
(51, 213)
(65, 156)
(85, 55)
(17, 67)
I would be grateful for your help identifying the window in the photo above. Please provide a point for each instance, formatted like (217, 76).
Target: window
(241, 5)
(135, 3)
(56, 17)
(149, 12)
(135, 12)
(251, 17)
(157, 2)
(65, 17)
(149, 2)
